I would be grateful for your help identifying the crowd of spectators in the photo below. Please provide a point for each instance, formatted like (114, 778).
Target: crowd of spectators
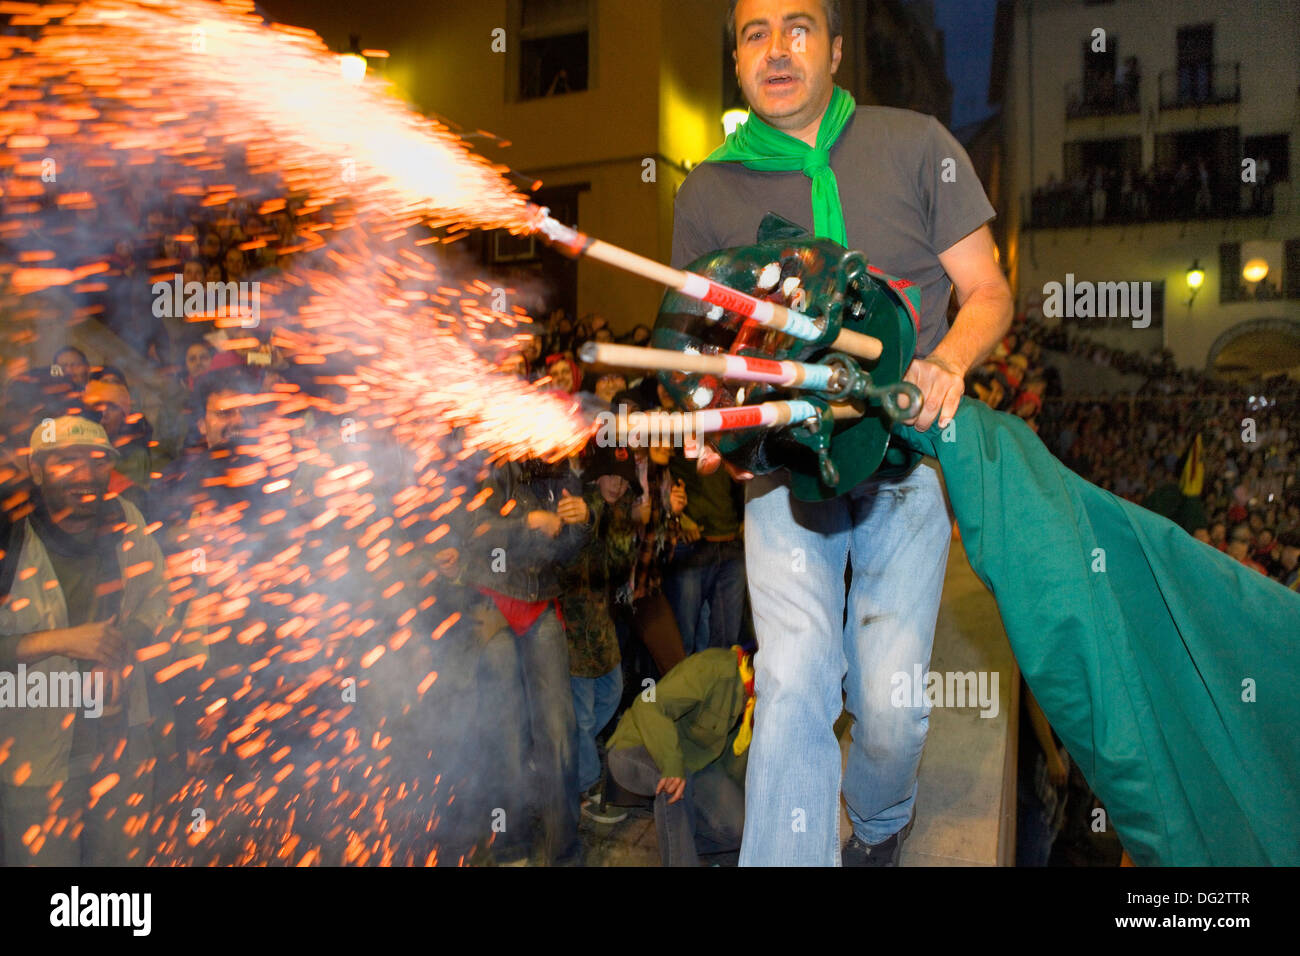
(615, 567)
(606, 572)
(1136, 445)
(1105, 194)
(627, 564)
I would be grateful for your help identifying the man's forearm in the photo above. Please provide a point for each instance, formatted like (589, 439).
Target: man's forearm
(980, 325)
(30, 648)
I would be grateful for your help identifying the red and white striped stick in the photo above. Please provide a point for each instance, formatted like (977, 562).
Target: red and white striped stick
(767, 314)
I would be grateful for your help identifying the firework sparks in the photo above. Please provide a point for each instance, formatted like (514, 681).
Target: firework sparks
(309, 573)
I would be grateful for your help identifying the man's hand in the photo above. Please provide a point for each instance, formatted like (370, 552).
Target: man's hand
(942, 384)
(99, 641)
(709, 461)
(571, 509)
(690, 530)
(447, 561)
(675, 787)
(677, 497)
(643, 511)
(547, 522)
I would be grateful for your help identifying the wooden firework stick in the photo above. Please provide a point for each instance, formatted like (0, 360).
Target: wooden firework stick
(768, 314)
(739, 367)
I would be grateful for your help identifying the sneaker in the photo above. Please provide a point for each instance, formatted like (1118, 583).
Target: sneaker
(592, 810)
(886, 853)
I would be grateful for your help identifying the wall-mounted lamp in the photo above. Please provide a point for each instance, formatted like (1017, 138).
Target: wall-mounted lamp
(353, 65)
(1195, 279)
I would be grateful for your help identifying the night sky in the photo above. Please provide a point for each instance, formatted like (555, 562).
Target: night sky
(967, 27)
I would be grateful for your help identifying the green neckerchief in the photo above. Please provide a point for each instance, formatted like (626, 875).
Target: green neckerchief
(765, 148)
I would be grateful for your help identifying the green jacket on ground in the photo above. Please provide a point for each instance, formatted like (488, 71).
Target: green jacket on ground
(693, 717)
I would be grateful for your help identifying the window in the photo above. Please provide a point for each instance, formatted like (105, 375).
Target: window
(1230, 288)
(1195, 63)
(537, 264)
(1291, 268)
(554, 47)
(1236, 259)
(1099, 68)
(1276, 149)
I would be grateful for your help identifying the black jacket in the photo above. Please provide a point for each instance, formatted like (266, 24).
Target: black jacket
(500, 552)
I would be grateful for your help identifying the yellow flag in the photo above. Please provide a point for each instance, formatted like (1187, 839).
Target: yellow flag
(1193, 478)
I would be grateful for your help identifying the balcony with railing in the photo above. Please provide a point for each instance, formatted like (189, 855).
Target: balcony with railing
(1195, 85)
(1134, 197)
(1084, 99)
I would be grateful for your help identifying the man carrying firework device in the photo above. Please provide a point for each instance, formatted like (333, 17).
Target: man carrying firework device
(897, 185)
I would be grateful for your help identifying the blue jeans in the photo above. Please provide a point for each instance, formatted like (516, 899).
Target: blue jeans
(897, 534)
(712, 577)
(533, 713)
(595, 699)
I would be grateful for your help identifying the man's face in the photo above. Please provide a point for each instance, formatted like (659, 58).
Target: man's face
(223, 419)
(74, 367)
(112, 416)
(785, 60)
(1290, 557)
(515, 365)
(1237, 550)
(1218, 533)
(610, 385)
(612, 487)
(561, 376)
(234, 263)
(73, 482)
(197, 360)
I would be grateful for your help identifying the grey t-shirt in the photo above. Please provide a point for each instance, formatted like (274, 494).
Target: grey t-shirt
(900, 208)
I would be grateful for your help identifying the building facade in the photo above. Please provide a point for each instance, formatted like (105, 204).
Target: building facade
(606, 104)
(1149, 141)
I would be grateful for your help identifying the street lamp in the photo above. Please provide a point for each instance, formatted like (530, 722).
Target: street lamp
(353, 64)
(1195, 279)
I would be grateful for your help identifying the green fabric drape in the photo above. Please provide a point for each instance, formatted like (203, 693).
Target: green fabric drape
(762, 147)
(1167, 669)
